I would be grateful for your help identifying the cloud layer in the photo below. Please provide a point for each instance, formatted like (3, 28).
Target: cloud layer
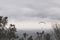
(30, 9)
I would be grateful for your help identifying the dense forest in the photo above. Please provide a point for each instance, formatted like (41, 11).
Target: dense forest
(10, 33)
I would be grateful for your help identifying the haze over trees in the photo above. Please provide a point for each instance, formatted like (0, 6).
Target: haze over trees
(10, 33)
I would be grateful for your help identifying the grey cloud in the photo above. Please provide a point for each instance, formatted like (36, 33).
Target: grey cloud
(30, 9)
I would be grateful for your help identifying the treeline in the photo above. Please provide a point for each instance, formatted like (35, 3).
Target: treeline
(40, 36)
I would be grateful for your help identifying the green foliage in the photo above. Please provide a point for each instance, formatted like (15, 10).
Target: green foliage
(47, 36)
(39, 35)
(30, 38)
(9, 32)
(25, 35)
(57, 31)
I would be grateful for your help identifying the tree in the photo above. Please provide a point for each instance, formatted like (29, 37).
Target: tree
(7, 33)
(4, 21)
(47, 36)
(11, 32)
(21, 38)
(2, 35)
(1, 19)
(30, 38)
(25, 35)
(56, 28)
(39, 35)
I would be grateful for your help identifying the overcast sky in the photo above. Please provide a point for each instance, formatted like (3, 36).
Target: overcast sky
(28, 12)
